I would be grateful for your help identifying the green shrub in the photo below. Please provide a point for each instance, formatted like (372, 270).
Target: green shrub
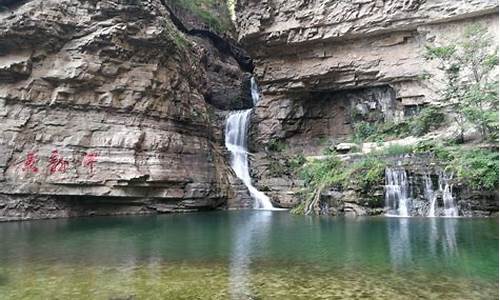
(440, 151)
(296, 163)
(478, 168)
(397, 150)
(320, 172)
(215, 15)
(333, 172)
(367, 172)
(363, 131)
(430, 118)
(299, 209)
(275, 145)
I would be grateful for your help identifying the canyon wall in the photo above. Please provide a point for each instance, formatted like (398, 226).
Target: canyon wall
(304, 50)
(105, 109)
(323, 64)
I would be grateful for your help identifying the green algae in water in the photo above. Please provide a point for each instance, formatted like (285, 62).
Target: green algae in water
(249, 255)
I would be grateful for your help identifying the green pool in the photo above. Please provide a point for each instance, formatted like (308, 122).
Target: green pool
(249, 255)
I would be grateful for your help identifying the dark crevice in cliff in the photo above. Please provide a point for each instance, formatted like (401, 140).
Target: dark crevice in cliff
(11, 4)
(224, 44)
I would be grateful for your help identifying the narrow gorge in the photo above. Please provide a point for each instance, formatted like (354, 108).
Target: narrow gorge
(237, 125)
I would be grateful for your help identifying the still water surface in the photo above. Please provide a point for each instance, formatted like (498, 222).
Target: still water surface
(249, 255)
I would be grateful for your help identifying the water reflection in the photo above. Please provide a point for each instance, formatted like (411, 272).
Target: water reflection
(399, 242)
(249, 235)
(433, 235)
(406, 237)
(245, 255)
(450, 237)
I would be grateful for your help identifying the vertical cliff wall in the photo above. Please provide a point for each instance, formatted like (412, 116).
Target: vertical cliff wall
(103, 110)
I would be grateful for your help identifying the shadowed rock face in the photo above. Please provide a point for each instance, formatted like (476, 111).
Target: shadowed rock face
(118, 92)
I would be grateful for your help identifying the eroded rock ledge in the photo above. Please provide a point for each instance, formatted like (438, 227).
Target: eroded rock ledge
(325, 46)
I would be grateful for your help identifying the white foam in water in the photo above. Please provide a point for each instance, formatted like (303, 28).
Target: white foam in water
(237, 125)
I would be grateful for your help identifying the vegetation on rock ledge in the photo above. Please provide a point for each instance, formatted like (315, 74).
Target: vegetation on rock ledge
(428, 119)
(473, 168)
(215, 13)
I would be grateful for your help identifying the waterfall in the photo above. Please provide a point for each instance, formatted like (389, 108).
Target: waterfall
(450, 208)
(430, 195)
(254, 89)
(446, 191)
(399, 203)
(397, 192)
(237, 125)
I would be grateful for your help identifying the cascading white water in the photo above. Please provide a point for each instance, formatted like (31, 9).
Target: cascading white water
(254, 89)
(430, 195)
(396, 192)
(399, 203)
(237, 125)
(450, 208)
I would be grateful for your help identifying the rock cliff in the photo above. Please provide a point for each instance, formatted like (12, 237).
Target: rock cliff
(104, 109)
(305, 50)
(322, 64)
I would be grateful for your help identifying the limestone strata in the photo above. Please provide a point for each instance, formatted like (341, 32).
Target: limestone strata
(326, 46)
(324, 63)
(110, 78)
(293, 22)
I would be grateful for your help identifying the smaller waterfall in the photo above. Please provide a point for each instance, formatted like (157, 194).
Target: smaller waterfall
(254, 89)
(450, 208)
(430, 195)
(397, 192)
(401, 203)
(237, 125)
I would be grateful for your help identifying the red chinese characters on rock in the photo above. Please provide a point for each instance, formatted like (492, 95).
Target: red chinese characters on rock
(30, 163)
(57, 163)
(89, 161)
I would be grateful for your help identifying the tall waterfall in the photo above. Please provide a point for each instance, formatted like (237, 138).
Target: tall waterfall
(237, 125)
(397, 192)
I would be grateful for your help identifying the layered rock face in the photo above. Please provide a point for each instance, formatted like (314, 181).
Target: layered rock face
(103, 111)
(323, 64)
(325, 46)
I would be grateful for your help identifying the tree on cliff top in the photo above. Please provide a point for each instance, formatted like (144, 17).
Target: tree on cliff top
(471, 83)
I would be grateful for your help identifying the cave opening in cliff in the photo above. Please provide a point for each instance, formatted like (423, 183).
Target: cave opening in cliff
(332, 116)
